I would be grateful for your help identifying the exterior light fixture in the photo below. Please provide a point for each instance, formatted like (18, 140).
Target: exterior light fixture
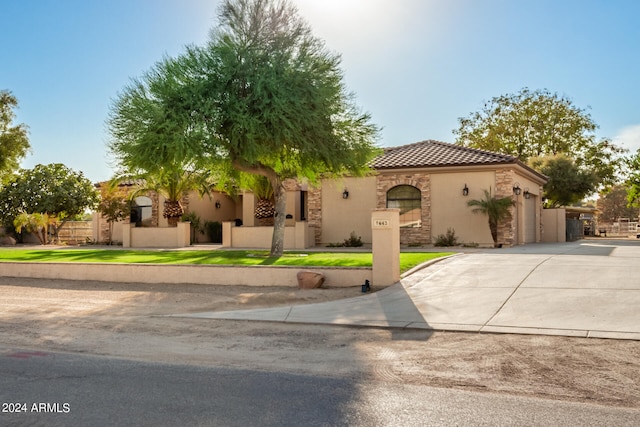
(465, 190)
(345, 194)
(218, 205)
(516, 189)
(526, 193)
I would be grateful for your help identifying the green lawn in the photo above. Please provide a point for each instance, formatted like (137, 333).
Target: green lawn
(408, 260)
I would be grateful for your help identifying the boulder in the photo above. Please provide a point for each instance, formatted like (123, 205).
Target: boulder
(310, 279)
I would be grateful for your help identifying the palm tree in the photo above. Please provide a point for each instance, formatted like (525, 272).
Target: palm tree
(497, 209)
(172, 184)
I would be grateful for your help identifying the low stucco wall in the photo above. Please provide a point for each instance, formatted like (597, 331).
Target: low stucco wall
(157, 237)
(196, 274)
(296, 237)
(555, 225)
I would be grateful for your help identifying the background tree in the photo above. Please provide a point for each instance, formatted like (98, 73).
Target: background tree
(273, 101)
(33, 223)
(568, 184)
(154, 137)
(52, 189)
(538, 123)
(14, 141)
(633, 179)
(614, 205)
(114, 205)
(497, 209)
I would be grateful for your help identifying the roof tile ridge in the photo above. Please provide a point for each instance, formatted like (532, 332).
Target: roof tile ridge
(487, 152)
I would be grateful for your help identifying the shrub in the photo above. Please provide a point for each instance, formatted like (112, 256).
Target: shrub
(354, 241)
(194, 221)
(448, 239)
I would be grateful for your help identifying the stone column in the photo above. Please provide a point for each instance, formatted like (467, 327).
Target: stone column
(385, 233)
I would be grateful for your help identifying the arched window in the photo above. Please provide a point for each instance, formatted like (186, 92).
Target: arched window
(141, 211)
(408, 199)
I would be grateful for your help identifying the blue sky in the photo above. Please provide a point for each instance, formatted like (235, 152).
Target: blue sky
(415, 65)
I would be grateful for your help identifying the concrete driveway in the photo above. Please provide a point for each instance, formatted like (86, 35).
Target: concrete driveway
(589, 288)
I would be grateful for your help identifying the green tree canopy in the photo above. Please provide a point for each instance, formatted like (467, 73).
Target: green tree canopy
(539, 123)
(568, 183)
(633, 179)
(14, 140)
(154, 137)
(262, 97)
(52, 189)
(275, 103)
(114, 205)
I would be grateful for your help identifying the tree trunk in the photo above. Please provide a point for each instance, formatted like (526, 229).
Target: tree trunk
(109, 233)
(280, 197)
(494, 233)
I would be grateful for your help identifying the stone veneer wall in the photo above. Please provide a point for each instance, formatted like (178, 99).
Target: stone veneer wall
(504, 188)
(155, 208)
(385, 182)
(314, 212)
(418, 235)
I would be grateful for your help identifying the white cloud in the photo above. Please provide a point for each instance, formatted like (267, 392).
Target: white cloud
(629, 138)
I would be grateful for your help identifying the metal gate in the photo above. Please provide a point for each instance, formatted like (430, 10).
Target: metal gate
(574, 230)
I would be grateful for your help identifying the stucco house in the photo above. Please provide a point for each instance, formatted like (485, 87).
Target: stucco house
(429, 181)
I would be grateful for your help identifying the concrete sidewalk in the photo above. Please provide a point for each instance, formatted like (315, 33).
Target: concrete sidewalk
(582, 289)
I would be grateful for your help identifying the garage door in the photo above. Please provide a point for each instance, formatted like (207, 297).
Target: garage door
(530, 220)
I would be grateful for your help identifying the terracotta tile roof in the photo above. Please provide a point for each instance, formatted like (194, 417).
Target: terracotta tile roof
(435, 153)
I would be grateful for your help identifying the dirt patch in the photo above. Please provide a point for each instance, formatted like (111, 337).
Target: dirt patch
(126, 320)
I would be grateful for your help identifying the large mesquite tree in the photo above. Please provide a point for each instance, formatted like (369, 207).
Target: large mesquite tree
(263, 97)
(274, 102)
(155, 139)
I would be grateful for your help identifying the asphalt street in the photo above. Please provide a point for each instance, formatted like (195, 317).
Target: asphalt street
(57, 389)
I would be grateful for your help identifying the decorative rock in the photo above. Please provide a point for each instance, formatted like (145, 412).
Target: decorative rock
(7, 241)
(310, 279)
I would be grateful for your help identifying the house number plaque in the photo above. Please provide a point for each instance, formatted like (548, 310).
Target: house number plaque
(381, 223)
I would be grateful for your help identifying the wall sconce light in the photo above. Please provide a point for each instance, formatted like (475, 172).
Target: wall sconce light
(516, 189)
(526, 194)
(345, 194)
(465, 190)
(218, 205)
